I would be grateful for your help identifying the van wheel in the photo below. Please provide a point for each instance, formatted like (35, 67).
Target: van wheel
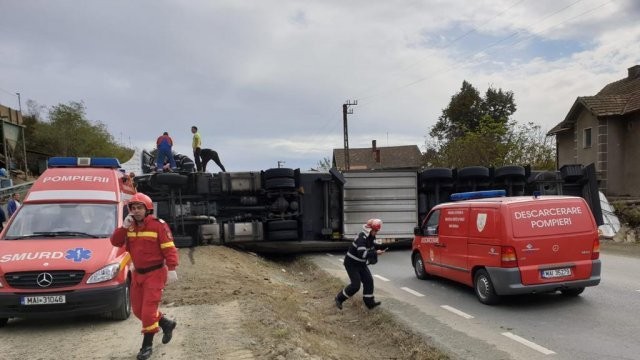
(418, 267)
(483, 287)
(123, 312)
(572, 292)
(3, 322)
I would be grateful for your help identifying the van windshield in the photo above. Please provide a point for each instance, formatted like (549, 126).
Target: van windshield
(63, 220)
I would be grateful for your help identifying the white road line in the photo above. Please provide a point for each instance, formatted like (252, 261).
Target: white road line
(528, 343)
(638, 290)
(456, 311)
(329, 254)
(413, 292)
(341, 260)
(381, 278)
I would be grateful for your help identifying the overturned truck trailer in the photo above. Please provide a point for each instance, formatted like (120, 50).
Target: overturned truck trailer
(284, 210)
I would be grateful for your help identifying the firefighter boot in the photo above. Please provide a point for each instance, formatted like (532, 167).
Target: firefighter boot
(147, 347)
(340, 298)
(167, 329)
(371, 303)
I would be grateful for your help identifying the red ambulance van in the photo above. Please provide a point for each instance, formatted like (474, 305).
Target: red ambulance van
(510, 245)
(55, 254)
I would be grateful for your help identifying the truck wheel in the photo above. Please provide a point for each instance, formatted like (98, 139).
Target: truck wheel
(282, 225)
(483, 287)
(573, 292)
(509, 170)
(283, 235)
(3, 322)
(436, 174)
(418, 267)
(278, 173)
(123, 312)
(170, 179)
(280, 183)
(473, 172)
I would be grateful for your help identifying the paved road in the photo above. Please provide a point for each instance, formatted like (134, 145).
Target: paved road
(600, 324)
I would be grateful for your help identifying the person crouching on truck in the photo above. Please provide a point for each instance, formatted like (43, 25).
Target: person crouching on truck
(361, 253)
(155, 258)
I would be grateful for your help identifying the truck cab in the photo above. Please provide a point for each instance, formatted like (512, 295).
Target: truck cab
(55, 255)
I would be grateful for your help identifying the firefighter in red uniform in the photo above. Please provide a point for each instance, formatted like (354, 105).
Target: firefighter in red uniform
(155, 258)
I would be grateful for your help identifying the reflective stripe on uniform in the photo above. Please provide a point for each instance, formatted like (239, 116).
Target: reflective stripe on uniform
(167, 245)
(355, 257)
(152, 234)
(151, 327)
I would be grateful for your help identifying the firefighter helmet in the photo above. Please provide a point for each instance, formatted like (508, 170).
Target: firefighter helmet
(141, 198)
(374, 224)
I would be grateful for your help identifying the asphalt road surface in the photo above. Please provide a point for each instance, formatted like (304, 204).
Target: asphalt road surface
(602, 323)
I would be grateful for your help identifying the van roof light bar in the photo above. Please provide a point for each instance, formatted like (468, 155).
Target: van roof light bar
(478, 195)
(97, 162)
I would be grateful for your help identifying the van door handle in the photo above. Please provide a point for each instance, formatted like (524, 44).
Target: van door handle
(439, 245)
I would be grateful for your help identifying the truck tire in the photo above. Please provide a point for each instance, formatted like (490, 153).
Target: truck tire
(278, 173)
(283, 235)
(483, 287)
(418, 267)
(181, 241)
(282, 225)
(573, 292)
(171, 179)
(124, 311)
(280, 183)
(510, 170)
(473, 172)
(436, 174)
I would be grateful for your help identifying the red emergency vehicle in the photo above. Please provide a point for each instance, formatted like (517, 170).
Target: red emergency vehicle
(55, 253)
(510, 245)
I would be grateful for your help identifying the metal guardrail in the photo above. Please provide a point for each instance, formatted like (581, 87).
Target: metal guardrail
(20, 188)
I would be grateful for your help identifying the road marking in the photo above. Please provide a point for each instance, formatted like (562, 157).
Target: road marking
(528, 343)
(638, 290)
(381, 278)
(329, 254)
(413, 292)
(456, 311)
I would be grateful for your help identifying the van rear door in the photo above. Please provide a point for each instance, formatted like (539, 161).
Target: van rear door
(553, 239)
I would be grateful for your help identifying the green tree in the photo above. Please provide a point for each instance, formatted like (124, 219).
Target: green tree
(324, 164)
(476, 130)
(69, 133)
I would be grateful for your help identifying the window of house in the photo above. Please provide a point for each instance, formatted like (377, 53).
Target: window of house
(586, 138)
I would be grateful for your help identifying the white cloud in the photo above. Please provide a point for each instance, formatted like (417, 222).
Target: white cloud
(265, 81)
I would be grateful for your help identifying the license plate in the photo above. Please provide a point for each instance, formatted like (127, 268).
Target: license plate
(43, 300)
(554, 273)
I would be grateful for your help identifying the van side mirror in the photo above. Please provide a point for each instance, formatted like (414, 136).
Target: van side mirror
(417, 231)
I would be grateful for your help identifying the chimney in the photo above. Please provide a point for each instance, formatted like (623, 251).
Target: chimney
(634, 72)
(375, 151)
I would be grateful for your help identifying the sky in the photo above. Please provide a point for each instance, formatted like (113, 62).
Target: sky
(265, 80)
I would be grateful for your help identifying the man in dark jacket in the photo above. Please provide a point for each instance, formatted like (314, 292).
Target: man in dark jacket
(361, 253)
(208, 154)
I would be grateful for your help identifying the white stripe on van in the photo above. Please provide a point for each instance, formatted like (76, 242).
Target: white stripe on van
(71, 195)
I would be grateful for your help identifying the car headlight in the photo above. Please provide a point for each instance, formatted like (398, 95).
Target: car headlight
(105, 274)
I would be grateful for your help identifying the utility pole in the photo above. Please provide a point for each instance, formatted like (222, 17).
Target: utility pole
(346, 110)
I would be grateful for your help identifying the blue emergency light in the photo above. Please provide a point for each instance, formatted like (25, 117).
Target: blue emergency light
(478, 195)
(100, 162)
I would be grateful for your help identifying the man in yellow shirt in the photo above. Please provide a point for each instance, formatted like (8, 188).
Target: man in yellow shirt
(197, 145)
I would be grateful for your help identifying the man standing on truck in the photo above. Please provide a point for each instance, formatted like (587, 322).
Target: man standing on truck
(165, 152)
(155, 258)
(197, 146)
(361, 253)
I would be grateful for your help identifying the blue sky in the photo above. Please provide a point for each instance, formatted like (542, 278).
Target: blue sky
(265, 80)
